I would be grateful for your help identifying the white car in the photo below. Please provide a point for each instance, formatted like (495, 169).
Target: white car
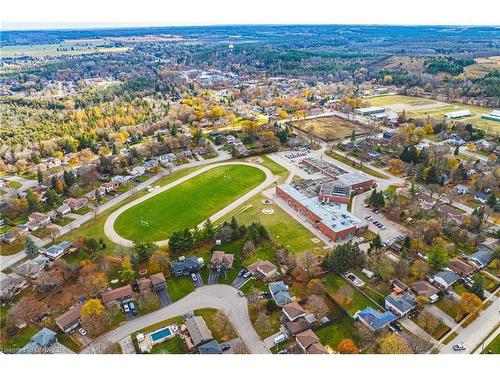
(126, 308)
(149, 188)
(82, 331)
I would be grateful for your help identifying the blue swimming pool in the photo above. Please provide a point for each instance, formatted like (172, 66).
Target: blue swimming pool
(161, 334)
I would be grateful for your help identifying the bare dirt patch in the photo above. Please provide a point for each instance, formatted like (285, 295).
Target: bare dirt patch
(329, 128)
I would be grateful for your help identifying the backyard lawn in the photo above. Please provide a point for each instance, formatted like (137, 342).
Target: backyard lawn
(187, 204)
(221, 330)
(334, 333)
(179, 287)
(175, 345)
(345, 294)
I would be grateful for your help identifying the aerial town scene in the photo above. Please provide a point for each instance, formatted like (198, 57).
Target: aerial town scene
(251, 189)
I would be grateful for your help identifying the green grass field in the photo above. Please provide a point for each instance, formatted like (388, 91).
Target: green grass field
(187, 204)
(420, 108)
(333, 334)
(356, 300)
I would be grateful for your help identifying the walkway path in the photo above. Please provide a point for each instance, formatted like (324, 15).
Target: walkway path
(222, 297)
(110, 221)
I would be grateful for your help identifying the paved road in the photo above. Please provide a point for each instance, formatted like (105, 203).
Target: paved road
(7, 261)
(487, 342)
(474, 333)
(116, 238)
(221, 297)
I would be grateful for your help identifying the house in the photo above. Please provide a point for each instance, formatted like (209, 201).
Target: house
(398, 286)
(489, 244)
(10, 285)
(63, 209)
(37, 220)
(40, 343)
(455, 140)
(69, 320)
(211, 347)
(263, 269)
(198, 330)
(220, 258)
(167, 158)
(425, 289)
(279, 293)
(400, 305)
(461, 189)
(158, 281)
(374, 319)
(481, 258)
(32, 267)
(12, 235)
(76, 203)
(451, 213)
(144, 285)
(57, 251)
(444, 279)
(460, 267)
(186, 266)
(481, 197)
(293, 311)
(120, 295)
(137, 171)
(297, 326)
(310, 343)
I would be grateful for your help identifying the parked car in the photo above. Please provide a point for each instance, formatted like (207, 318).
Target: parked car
(241, 294)
(280, 338)
(193, 277)
(126, 308)
(458, 347)
(396, 327)
(225, 347)
(132, 308)
(82, 331)
(246, 274)
(242, 272)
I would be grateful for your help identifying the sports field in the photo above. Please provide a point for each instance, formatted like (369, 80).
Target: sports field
(188, 204)
(420, 108)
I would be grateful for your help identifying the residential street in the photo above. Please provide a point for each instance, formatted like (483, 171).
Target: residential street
(8, 260)
(221, 297)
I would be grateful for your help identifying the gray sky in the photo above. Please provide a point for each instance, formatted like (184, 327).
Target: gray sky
(35, 14)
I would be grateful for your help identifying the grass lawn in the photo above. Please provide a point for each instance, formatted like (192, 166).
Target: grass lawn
(493, 346)
(355, 301)
(42, 232)
(187, 204)
(63, 221)
(174, 345)
(179, 287)
(459, 289)
(2, 192)
(333, 334)
(283, 228)
(273, 320)
(221, 331)
(15, 185)
(68, 342)
(22, 337)
(82, 211)
(447, 306)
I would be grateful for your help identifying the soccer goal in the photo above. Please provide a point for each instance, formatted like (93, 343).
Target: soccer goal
(227, 178)
(144, 222)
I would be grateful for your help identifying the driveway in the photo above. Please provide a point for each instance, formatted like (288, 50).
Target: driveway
(164, 297)
(221, 297)
(199, 281)
(240, 281)
(109, 229)
(213, 277)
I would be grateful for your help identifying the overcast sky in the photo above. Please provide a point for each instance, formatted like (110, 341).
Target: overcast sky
(36, 14)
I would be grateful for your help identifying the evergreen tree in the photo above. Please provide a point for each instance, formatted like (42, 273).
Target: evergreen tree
(32, 199)
(31, 249)
(376, 243)
(437, 257)
(208, 230)
(39, 176)
(457, 151)
(492, 201)
(478, 286)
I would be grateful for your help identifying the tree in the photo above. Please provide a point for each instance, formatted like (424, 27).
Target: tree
(160, 259)
(396, 166)
(437, 257)
(478, 286)
(96, 283)
(33, 201)
(394, 344)
(457, 151)
(144, 250)
(271, 306)
(248, 249)
(93, 317)
(39, 176)
(376, 243)
(427, 321)
(347, 346)
(309, 262)
(419, 269)
(318, 305)
(127, 272)
(28, 309)
(31, 248)
(470, 304)
(92, 308)
(343, 257)
(315, 286)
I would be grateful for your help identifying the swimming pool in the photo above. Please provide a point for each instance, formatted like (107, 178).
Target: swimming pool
(161, 334)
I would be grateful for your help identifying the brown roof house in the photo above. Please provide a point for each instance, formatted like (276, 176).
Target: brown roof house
(144, 285)
(120, 295)
(76, 203)
(460, 267)
(293, 311)
(37, 220)
(158, 281)
(220, 259)
(425, 289)
(263, 269)
(309, 343)
(70, 319)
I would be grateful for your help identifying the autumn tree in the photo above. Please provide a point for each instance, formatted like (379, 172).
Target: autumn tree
(470, 304)
(318, 305)
(160, 260)
(93, 317)
(27, 309)
(96, 283)
(127, 272)
(347, 346)
(394, 344)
